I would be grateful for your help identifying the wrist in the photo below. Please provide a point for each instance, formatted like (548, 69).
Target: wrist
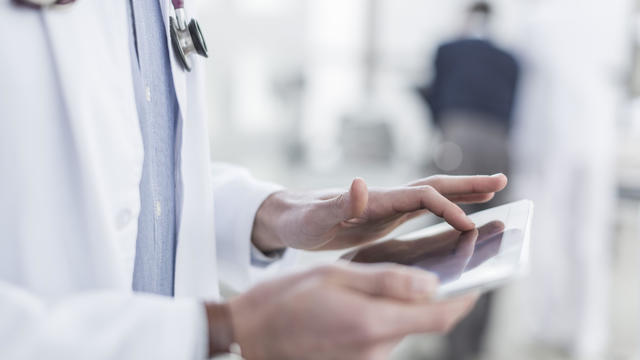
(221, 332)
(265, 234)
(249, 325)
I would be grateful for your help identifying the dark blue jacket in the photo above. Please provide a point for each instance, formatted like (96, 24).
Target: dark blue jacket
(473, 75)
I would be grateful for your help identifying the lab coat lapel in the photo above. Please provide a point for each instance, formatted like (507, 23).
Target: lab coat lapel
(89, 46)
(195, 253)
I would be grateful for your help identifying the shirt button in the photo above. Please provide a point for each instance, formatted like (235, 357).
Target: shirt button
(124, 218)
(158, 209)
(147, 93)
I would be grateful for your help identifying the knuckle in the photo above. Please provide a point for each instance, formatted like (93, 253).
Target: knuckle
(435, 179)
(429, 189)
(393, 282)
(387, 282)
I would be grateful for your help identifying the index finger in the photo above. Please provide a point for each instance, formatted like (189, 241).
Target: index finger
(465, 184)
(411, 199)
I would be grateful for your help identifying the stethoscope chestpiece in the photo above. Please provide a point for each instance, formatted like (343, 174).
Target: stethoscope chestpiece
(198, 38)
(186, 40)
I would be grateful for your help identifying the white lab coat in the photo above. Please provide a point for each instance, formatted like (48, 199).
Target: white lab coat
(71, 158)
(565, 161)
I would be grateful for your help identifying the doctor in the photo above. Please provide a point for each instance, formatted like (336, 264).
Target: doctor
(116, 227)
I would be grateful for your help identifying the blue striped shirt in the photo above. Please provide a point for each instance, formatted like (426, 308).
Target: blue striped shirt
(158, 113)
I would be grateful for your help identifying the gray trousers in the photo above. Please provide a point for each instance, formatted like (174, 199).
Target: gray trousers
(480, 146)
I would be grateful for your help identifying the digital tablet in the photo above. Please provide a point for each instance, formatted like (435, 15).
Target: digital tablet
(496, 252)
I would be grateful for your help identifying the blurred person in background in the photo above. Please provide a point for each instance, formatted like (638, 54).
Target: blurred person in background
(564, 160)
(472, 99)
(116, 227)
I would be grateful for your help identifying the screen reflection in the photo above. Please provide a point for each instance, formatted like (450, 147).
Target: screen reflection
(447, 254)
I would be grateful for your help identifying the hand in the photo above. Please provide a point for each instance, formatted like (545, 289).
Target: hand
(340, 312)
(328, 220)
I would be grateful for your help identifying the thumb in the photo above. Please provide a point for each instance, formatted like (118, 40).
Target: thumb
(331, 211)
(351, 204)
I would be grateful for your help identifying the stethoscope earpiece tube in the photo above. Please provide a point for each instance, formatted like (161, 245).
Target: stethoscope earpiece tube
(178, 4)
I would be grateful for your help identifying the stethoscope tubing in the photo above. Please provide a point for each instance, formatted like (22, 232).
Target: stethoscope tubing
(186, 38)
(178, 4)
(42, 3)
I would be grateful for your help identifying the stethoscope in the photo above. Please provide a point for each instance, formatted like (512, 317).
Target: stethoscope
(186, 38)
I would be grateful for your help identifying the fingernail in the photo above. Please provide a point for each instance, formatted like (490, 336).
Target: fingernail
(498, 174)
(470, 221)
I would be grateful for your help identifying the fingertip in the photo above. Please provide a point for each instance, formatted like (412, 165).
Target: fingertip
(466, 224)
(474, 296)
(460, 220)
(424, 284)
(358, 183)
(359, 195)
(429, 277)
(470, 301)
(434, 281)
(472, 225)
(502, 180)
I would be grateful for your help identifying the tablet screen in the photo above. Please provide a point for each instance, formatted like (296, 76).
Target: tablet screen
(448, 254)
(486, 257)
